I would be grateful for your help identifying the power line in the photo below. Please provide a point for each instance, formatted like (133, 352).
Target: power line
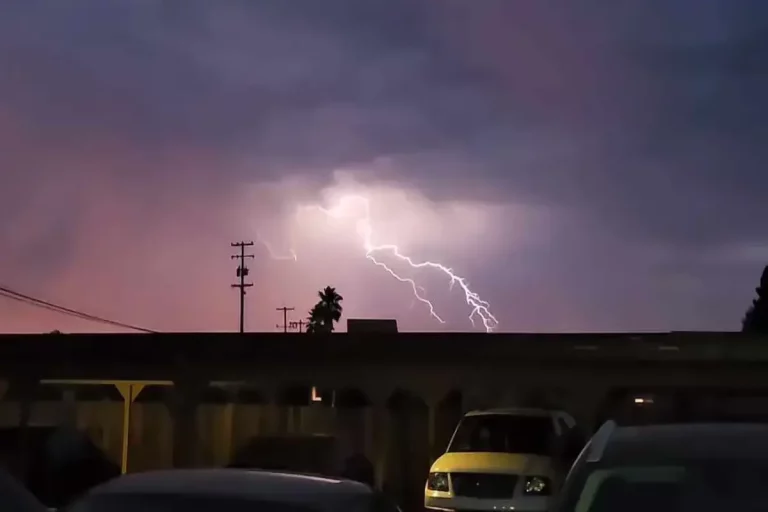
(242, 271)
(41, 306)
(50, 306)
(285, 311)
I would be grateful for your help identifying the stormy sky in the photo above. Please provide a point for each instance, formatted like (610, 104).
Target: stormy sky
(587, 166)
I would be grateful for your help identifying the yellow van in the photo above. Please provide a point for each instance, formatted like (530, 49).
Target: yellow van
(503, 460)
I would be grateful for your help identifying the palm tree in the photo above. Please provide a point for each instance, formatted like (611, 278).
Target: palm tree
(327, 311)
(315, 320)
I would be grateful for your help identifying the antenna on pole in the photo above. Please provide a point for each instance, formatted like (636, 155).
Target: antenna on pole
(297, 324)
(285, 311)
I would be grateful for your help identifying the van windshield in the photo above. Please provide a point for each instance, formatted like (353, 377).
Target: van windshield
(504, 433)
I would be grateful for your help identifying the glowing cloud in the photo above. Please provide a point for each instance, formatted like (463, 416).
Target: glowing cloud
(357, 207)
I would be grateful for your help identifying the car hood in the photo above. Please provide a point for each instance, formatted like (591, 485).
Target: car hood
(487, 462)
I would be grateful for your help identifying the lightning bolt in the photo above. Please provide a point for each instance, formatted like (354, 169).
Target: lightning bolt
(479, 308)
(292, 256)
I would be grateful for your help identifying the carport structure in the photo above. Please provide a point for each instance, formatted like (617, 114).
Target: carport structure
(218, 388)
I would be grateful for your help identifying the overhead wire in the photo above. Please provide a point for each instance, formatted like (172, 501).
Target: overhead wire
(32, 301)
(50, 306)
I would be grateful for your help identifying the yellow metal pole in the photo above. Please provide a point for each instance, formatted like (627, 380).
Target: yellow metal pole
(127, 402)
(129, 391)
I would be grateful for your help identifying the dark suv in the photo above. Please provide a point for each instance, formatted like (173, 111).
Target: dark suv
(14, 497)
(670, 468)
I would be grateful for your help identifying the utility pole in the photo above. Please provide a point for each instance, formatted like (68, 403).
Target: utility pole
(297, 325)
(285, 311)
(242, 272)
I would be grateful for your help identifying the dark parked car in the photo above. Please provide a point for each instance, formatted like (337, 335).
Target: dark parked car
(231, 490)
(14, 497)
(670, 468)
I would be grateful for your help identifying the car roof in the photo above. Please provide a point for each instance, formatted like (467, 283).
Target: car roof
(686, 441)
(514, 411)
(231, 482)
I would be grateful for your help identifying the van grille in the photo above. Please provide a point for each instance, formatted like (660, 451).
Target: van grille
(483, 485)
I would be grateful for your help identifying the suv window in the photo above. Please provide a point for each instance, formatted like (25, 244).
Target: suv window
(504, 433)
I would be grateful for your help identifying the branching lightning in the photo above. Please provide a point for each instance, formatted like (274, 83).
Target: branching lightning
(479, 308)
(292, 256)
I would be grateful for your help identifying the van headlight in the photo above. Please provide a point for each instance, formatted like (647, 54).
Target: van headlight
(537, 486)
(438, 482)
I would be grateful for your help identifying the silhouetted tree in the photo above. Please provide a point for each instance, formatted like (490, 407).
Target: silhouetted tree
(756, 319)
(315, 320)
(327, 311)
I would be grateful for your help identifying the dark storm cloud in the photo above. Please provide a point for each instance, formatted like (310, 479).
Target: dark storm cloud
(644, 121)
(262, 77)
(705, 153)
(656, 123)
